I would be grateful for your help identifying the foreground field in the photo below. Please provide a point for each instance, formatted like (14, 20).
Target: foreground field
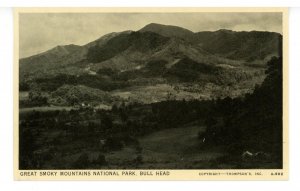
(177, 148)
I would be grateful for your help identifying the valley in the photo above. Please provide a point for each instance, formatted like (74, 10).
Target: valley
(162, 97)
(155, 56)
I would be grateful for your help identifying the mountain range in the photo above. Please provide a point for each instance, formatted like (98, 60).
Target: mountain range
(160, 59)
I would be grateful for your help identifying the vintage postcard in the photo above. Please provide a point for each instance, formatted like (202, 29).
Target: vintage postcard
(151, 94)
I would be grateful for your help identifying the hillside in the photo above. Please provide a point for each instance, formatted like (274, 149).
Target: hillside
(76, 95)
(247, 46)
(229, 63)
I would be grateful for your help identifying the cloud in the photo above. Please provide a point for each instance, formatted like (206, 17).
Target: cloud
(42, 31)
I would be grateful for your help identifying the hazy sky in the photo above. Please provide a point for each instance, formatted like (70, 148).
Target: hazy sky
(42, 31)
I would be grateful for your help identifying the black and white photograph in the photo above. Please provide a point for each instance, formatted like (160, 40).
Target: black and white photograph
(150, 90)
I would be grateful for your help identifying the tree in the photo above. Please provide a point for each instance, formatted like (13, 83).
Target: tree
(113, 143)
(23, 86)
(82, 162)
(254, 123)
(101, 159)
(106, 122)
(27, 146)
(123, 115)
(37, 99)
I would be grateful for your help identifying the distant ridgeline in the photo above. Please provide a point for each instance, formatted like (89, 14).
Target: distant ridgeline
(167, 60)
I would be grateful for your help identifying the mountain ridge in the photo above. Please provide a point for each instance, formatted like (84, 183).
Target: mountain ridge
(148, 28)
(158, 54)
(207, 41)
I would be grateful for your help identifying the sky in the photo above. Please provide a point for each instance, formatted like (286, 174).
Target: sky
(39, 32)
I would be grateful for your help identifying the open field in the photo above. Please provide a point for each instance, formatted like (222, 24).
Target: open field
(44, 108)
(176, 148)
